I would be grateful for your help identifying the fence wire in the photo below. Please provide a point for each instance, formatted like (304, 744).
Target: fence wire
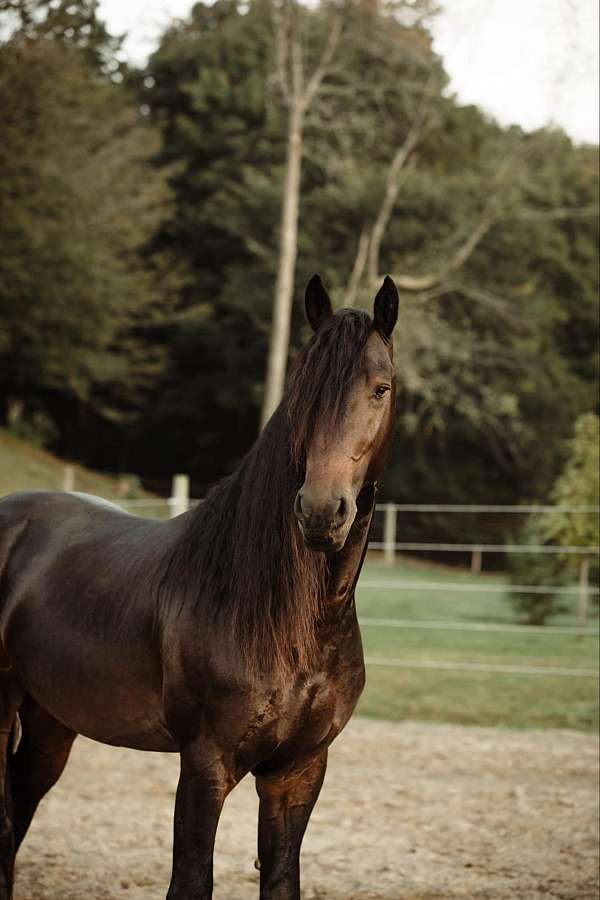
(391, 547)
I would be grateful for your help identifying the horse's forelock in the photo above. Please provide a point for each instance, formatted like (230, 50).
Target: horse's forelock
(322, 376)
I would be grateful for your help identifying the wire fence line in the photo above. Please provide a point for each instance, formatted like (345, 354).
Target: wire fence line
(562, 671)
(466, 587)
(484, 508)
(399, 507)
(431, 547)
(479, 626)
(180, 501)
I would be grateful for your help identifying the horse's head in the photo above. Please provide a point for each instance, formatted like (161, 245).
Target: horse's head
(341, 408)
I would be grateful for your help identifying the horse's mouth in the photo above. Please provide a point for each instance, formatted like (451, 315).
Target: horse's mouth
(319, 544)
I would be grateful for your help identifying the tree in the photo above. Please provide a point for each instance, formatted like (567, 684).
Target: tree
(578, 485)
(77, 205)
(299, 91)
(574, 523)
(71, 23)
(486, 355)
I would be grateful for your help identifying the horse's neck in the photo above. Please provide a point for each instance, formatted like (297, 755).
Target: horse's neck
(347, 564)
(269, 455)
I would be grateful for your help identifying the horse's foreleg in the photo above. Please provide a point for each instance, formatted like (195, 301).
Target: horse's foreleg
(286, 802)
(10, 698)
(38, 763)
(201, 793)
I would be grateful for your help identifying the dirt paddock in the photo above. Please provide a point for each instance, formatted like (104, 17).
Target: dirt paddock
(408, 812)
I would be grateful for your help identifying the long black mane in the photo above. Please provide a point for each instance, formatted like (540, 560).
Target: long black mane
(241, 556)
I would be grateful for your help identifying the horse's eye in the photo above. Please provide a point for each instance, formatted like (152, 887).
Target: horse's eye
(381, 391)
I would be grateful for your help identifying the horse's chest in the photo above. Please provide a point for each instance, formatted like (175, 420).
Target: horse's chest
(293, 721)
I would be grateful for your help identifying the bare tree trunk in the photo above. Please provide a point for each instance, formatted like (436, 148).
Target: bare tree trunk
(358, 268)
(398, 167)
(299, 94)
(284, 287)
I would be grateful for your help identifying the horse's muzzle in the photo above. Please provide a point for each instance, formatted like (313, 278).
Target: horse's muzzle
(324, 525)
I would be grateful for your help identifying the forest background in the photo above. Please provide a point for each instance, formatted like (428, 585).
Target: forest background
(140, 231)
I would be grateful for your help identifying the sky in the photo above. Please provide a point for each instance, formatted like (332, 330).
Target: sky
(529, 62)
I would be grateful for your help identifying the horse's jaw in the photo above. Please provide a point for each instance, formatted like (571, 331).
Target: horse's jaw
(329, 543)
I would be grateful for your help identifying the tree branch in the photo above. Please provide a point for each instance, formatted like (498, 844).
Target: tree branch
(399, 165)
(392, 188)
(358, 268)
(319, 73)
(490, 214)
(281, 30)
(296, 60)
(424, 282)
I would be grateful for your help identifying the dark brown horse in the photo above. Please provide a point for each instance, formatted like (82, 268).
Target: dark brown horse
(228, 634)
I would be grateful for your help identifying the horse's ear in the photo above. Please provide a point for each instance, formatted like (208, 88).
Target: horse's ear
(317, 303)
(386, 308)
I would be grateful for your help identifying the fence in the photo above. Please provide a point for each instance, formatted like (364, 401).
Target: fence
(389, 548)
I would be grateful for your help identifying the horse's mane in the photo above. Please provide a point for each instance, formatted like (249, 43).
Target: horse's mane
(241, 558)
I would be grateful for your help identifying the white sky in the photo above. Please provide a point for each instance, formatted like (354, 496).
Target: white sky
(532, 62)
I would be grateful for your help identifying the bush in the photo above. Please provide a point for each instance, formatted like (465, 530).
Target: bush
(538, 570)
(578, 485)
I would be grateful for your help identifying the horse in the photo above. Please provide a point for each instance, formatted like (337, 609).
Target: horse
(227, 634)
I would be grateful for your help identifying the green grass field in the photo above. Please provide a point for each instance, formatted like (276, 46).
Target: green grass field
(468, 697)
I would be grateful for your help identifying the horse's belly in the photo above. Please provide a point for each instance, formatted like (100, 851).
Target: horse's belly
(109, 690)
(146, 735)
(112, 713)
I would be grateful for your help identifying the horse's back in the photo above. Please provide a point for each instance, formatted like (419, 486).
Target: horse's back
(36, 505)
(58, 542)
(64, 516)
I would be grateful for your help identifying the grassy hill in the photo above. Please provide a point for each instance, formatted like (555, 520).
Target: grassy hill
(24, 467)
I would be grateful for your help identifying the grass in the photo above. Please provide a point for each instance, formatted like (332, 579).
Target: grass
(482, 698)
(24, 467)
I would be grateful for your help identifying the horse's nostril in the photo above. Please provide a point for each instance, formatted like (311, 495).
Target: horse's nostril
(342, 511)
(298, 506)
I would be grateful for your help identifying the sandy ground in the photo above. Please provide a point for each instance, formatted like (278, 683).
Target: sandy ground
(408, 812)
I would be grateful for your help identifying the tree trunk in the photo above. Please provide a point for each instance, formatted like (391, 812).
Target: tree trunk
(288, 244)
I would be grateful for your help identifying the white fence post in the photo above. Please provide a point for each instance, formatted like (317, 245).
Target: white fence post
(69, 477)
(180, 495)
(476, 560)
(389, 534)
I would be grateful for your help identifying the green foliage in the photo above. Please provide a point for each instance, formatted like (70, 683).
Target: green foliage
(139, 231)
(72, 23)
(483, 362)
(538, 570)
(576, 486)
(486, 366)
(77, 205)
